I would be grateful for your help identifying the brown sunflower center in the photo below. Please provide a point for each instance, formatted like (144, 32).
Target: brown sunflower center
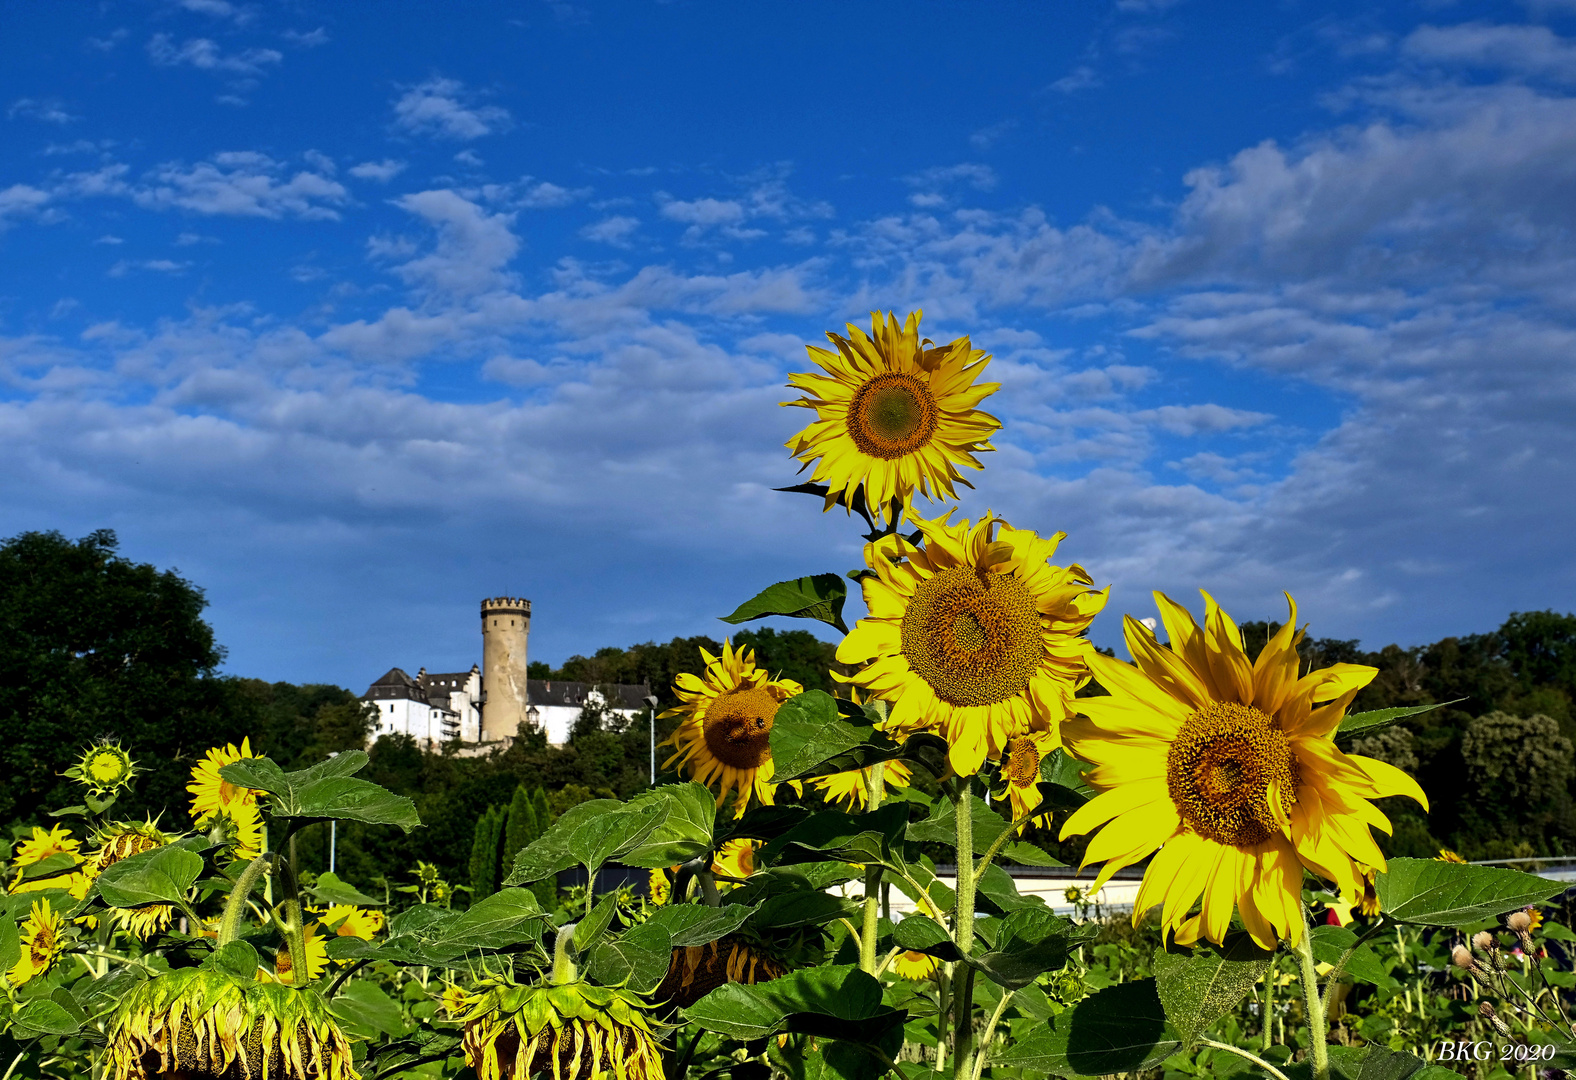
(973, 636)
(1224, 769)
(1021, 763)
(738, 727)
(892, 415)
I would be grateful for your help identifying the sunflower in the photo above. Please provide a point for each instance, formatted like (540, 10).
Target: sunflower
(659, 887)
(736, 858)
(1229, 768)
(975, 636)
(351, 921)
(241, 826)
(1446, 855)
(892, 416)
(40, 943)
(696, 970)
(103, 768)
(212, 793)
(144, 922)
(121, 840)
(913, 966)
(852, 788)
(1368, 902)
(197, 1022)
(44, 845)
(454, 1000)
(573, 1031)
(726, 731)
(1020, 768)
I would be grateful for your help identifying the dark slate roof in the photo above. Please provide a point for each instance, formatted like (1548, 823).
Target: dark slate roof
(443, 682)
(558, 692)
(395, 685)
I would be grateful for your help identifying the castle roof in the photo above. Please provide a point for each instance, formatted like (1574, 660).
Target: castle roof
(573, 694)
(395, 685)
(444, 682)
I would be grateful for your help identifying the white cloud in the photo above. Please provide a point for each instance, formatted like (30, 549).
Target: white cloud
(243, 184)
(157, 266)
(219, 9)
(441, 108)
(204, 54)
(705, 213)
(310, 39)
(19, 201)
(544, 195)
(1082, 77)
(1528, 50)
(379, 171)
(46, 110)
(615, 230)
(473, 247)
(986, 137)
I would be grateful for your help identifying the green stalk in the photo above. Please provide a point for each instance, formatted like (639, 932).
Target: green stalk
(1260, 1062)
(875, 788)
(1267, 1009)
(293, 924)
(563, 964)
(990, 1031)
(1320, 1051)
(235, 907)
(963, 937)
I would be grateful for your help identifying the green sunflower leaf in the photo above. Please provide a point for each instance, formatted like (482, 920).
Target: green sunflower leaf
(326, 790)
(832, 1002)
(820, 597)
(10, 943)
(1029, 942)
(695, 924)
(1199, 986)
(941, 827)
(329, 889)
(1364, 722)
(1330, 944)
(159, 876)
(1121, 1029)
(1455, 894)
(589, 835)
(688, 818)
(919, 933)
(809, 738)
(636, 959)
(43, 1016)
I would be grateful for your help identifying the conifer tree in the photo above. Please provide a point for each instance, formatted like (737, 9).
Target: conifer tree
(520, 830)
(484, 854)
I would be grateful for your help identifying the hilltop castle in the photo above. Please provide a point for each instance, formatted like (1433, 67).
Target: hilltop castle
(487, 704)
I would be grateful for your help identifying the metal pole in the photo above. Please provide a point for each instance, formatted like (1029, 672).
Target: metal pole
(333, 837)
(653, 746)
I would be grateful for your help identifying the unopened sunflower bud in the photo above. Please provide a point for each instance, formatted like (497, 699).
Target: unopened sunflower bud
(1519, 921)
(1461, 956)
(1483, 941)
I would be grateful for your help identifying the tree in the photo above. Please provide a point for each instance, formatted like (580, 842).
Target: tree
(95, 646)
(484, 854)
(521, 828)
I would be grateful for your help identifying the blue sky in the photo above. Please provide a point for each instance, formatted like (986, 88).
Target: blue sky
(358, 312)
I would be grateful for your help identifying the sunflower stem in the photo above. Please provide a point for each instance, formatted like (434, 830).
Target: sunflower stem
(235, 907)
(1319, 1051)
(1260, 1062)
(293, 923)
(990, 1031)
(963, 937)
(875, 788)
(563, 964)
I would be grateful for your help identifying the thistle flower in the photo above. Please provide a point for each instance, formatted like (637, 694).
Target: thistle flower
(1519, 921)
(200, 1024)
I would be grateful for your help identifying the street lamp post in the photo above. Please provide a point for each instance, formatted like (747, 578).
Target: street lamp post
(651, 702)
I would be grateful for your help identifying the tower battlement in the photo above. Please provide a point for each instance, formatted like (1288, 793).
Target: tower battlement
(506, 627)
(510, 604)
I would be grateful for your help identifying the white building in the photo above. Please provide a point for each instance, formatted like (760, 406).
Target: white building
(431, 709)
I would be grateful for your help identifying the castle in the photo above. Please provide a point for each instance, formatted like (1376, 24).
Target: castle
(487, 704)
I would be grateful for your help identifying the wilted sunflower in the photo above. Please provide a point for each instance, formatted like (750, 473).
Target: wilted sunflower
(572, 1031)
(1020, 769)
(351, 921)
(201, 1024)
(120, 840)
(695, 971)
(1230, 768)
(893, 416)
(975, 636)
(103, 768)
(852, 788)
(728, 724)
(40, 942)
(914, 966)
(212, 793)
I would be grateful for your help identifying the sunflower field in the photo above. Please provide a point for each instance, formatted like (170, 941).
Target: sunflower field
(823, 891)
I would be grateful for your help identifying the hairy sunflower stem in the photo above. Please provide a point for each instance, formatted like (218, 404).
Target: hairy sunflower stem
(875, 788)
(1260, 1062)
(1320, 1050)
(708, 886)
(963, 937)
(235, 907)
(294, 924)
(14, 1063)
(990, 1030)
(1267, 1009)
(563, 964)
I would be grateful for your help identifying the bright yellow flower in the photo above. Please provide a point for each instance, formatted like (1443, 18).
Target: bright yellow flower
(659, 890)
(1020, 768)
(40, 941)
(975, 636)
(143, 922)
(316, 957)
(1368, 902)
(43, 845)
(914, 966)
(1446, 855)
(1230, 768)
(352, 921)
(892, 416)
(243, 828)
(727, 725)
(103, 768)
(736, 858)
(455, 1001)
(212, 793)
(852, 788)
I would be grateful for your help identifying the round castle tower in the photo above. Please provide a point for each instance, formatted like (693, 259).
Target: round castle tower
(506, 623)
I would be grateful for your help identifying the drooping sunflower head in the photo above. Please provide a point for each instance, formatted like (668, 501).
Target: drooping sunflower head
(851, 789)
(1228, 766)
(574, 1031)
(914, 966)
(725, 736)
(200, 1024)
(103, 768)
(122, 839)
(40, 941)
(893, 415)
(974, 636)
(213, 794)
(697, 970)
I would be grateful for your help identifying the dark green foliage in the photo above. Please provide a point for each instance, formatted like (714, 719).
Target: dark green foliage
(522, 827)
(486, 848)
(93, 646)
